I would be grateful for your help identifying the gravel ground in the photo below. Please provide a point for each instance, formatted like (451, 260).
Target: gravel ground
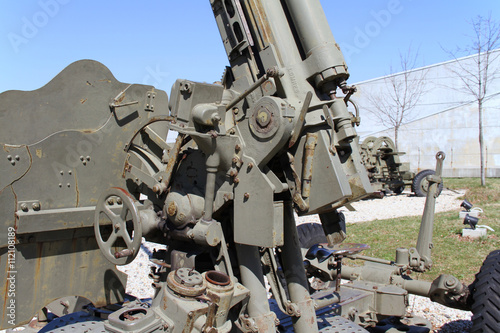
(443, 319)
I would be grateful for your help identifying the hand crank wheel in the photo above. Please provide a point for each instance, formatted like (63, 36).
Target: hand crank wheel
(117, 226)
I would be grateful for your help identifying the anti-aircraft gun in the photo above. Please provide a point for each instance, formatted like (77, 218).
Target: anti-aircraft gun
(386, 171)
(78, 195)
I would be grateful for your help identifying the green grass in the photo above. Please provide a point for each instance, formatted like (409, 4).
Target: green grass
(451, 253)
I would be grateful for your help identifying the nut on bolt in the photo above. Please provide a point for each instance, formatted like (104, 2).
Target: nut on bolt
(24, 207)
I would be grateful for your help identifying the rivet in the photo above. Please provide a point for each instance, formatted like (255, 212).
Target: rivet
(119, 200)
(111, 201)
(17, 158)
(13, 162)
(88, 158)
(35, 206)
(246, 195)
(60, 185)
(237, 147)
(9, 157)
(69, 172)
(69, 185)
(61, 172)
(24, 207)
(82, 158)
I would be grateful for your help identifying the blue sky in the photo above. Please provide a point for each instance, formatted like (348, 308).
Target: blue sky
(156, 42)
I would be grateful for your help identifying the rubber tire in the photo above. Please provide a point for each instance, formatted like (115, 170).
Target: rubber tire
(416, 185)
(486, 296)
(310, 234)
(398, 190)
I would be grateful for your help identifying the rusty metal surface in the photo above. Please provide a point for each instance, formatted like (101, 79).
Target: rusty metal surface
(54, 174)
(65, 263)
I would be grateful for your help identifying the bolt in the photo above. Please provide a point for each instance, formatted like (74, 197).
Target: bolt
(250, 165)
(236, 110)
(24, 207)
(232, 131)
(117, 226)
(119, 200)
(35, 206)
(450, 283)
(236, 180)
(233, 173)
(237, 148)
(236, 159)
(263, 118)
(111, 201)
(246, 195)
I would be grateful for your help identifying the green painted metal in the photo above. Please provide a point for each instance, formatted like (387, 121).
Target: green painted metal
(86, 158)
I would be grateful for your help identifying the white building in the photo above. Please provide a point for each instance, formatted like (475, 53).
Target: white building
(445, 118)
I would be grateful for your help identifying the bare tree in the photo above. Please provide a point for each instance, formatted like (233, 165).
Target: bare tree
(477, 75)
(393, 104)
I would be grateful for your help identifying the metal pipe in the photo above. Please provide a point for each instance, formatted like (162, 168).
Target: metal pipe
(295, 275)
(307, 166)
(424, 241)
(253, 278)
(271, 72)
(318, 43)
(310, 23)
(212, 165)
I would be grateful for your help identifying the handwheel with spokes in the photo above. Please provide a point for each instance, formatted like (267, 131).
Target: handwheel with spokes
(117, 226)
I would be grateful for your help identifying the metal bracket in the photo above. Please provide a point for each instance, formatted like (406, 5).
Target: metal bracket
(119, 98)
(150, 99)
